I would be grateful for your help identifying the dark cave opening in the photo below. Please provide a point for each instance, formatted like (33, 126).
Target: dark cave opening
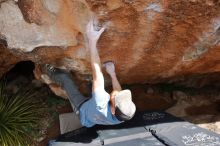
(21, 69)
(20, 76)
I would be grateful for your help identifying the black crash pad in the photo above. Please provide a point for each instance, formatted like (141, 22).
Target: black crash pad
(147, 128)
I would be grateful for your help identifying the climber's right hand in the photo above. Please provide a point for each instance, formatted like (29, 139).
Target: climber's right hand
(110, 68)
(92, 34)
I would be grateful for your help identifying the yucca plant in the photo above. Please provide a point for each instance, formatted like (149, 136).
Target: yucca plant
(18, 112)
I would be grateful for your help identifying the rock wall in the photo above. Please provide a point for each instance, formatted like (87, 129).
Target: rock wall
(150, 41)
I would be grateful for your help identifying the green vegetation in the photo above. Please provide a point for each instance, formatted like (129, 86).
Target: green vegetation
(53, 103)
(19, 113)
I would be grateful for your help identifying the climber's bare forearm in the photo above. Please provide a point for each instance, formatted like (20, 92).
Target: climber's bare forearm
(116, 88)
(95, 59)
(98, 79)
(115, 83)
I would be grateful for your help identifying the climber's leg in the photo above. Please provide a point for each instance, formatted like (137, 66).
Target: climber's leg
(63, 78)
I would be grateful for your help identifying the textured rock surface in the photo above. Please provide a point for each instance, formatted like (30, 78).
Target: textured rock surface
(8, 60)
(201, 107)
(149, 40)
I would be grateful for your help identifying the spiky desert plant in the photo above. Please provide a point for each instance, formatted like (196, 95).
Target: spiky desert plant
(18, 112)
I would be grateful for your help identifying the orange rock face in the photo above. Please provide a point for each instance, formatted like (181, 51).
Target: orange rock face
(150, 41)
(8, 59)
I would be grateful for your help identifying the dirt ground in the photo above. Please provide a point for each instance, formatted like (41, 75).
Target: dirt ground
(54, 131)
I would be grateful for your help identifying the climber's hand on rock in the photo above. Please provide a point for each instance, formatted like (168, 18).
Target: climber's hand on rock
(93, 34)
(110, 68)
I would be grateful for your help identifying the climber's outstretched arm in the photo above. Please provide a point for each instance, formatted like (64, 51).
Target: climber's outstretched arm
(93, 36)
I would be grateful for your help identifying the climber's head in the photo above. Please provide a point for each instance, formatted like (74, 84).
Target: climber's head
(124, 107)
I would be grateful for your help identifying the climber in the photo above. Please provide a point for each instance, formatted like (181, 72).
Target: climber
(101, 108)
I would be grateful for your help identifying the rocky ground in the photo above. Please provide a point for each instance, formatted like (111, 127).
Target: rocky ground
(200, 106)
